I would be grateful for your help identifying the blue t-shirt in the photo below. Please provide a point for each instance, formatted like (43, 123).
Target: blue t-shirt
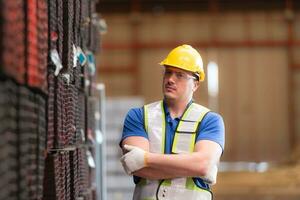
(211, 128)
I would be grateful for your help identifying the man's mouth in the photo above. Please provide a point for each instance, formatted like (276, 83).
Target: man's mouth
(170, 88)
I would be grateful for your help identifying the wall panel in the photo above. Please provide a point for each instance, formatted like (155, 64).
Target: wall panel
(251, 99)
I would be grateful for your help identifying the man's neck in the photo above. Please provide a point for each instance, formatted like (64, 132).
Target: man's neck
(176, 108)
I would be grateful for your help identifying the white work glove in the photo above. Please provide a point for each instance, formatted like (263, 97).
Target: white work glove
(126, 168)
(134, 159)
(211, 176)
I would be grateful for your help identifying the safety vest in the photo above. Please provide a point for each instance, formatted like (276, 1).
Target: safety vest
(183, 142)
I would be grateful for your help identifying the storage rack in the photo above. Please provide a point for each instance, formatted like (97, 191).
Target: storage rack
(47, 76)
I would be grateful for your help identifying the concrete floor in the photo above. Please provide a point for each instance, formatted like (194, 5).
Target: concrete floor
(278, 183)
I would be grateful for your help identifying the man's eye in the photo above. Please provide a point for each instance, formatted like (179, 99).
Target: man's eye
(180, 75)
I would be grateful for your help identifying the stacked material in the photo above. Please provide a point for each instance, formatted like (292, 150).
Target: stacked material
(23, 127)
(32, 134)
(36, 43)
(69, 86)
(8, 142)
(45, 81)
(12, 39)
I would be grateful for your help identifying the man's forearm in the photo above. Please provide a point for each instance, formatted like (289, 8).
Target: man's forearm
(162, 166)
(201, 163)
(158, 174)
(183, 165)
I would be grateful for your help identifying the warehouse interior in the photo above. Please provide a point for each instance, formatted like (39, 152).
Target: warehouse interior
(256, 47)
(71, 70)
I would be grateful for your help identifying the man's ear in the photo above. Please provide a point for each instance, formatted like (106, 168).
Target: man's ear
(196, 85)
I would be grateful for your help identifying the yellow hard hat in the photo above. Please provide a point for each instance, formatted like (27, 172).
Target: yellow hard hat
(187, 58)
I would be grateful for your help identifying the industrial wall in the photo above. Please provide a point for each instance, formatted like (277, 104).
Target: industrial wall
(259, 73)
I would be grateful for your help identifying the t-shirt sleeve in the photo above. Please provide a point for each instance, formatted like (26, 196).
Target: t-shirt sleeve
(212, 128)
(134, 124)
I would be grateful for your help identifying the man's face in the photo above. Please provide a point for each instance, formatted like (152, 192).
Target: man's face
(178, 84)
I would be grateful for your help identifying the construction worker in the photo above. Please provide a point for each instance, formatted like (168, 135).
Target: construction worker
(173, 146)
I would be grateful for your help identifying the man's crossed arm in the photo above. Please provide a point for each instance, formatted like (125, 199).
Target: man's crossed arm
(138, 160)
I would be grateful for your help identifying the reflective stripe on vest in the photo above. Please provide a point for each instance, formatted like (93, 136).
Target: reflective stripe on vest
(183, 142)
(155, 125)
(185, 135)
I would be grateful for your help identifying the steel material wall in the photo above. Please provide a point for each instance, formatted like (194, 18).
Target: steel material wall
(45, 80)
(71, 79)
(12, 39)
(8, 143)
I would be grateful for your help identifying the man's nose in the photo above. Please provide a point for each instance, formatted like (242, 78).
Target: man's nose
(171, 77)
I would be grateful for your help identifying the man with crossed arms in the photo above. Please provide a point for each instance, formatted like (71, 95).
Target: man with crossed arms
(173, 146)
